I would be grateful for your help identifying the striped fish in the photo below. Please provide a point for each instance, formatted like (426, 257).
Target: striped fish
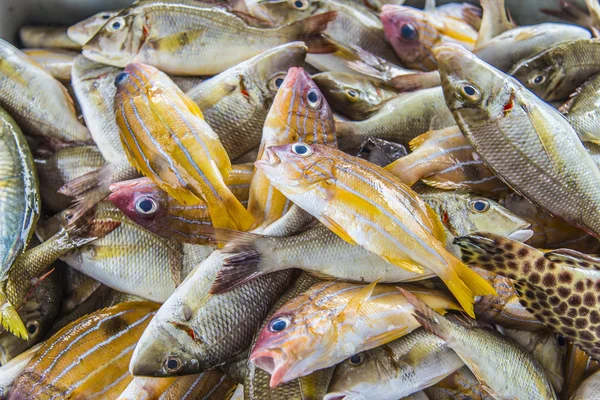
(299, 113)
(166, 138)
(87, 359)
(446, 160)
(332, 321)
(151, 207)
(366, 205)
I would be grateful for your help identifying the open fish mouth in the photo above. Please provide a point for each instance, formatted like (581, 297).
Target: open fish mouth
(275, 363)
(270, 160)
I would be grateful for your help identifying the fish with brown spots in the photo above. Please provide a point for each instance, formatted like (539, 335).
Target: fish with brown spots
(559, 287)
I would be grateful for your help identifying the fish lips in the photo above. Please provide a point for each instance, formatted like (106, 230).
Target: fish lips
(269, 162)
(275, 362)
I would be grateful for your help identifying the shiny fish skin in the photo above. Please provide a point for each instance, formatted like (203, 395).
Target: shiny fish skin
(581, 111)
(236, 102)
(589, 389)
(57, 62)
(461, 385)
(551, 167)
(84, 30)
(47, 37)
(37, 101)
(10, 371)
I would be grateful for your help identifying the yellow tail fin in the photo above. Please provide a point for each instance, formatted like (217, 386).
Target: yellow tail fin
(10, 320)
(230, 214)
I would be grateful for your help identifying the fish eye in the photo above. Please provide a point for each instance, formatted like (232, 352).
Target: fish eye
(470, 92)
(408, 32)
(313, 97)
(561, 341)
(356, 359)
(105, 16)
(68, 216)
(146, 205)
(121, 76)
(479, 205)
(352, 95)
(173, 364)
(300, 4)
(277, 81)
(302, 149)
(537, 78)
(116, 25)
(279, 324)
(32, 328)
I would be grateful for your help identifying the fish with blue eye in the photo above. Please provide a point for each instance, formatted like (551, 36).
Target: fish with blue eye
(279, 324)
(120, 78)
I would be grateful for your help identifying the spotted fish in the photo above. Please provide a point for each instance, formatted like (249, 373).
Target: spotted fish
(559, 287)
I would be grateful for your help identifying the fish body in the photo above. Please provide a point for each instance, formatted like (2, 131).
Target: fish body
(57, 62)
(155, 33)
(396, 369)
(236, 102)
(589, 389)
(47, 37)
(166, 138)
(556, 72)
(11, 370)
(88, 357)
(580, 111)
(348, 194)
(299, 113)
(498, 115)
(460, 385)
(332, 321)
(578, 367)
(84, 30)
(39, 103)
(494, 21)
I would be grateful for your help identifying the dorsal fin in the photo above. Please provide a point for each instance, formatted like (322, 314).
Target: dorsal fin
(569, 256)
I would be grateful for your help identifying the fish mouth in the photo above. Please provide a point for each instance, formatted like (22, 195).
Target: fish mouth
(274, 363)
(522, 235)
(446, 51)
(334, 396)
(270, 160)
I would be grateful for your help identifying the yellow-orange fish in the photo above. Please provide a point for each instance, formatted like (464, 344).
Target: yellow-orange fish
(166, 138)
(366, 205)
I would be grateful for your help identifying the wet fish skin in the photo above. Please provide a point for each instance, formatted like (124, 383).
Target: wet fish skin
(396, 369)
(38, 102)
(588, 389)
(460, 385)
(47, 37)
(510, 372)
(581, 113)
(236, 102)
(493, 21)
(57, 62)
(556, 72)
(578, 367)
(9, 372)
(552, 168)
(84, 30)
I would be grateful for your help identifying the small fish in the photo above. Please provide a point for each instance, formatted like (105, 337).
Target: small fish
(47, 37)
(39, 103)
(558, 71)
(352, 95)
(84, 30)
(413, 34)
(299, 113)
(461, 385)
(394, 370)
(551, 167)
(554, 286)
(346, 194)
(581, 112)
(333, 321)
(166, 138)
(87, 358)
(589, 389)
(444, 159)
(11, 370)
(145, 33)
(504, 368)
(493, 21)
(151, 207)
(57, 62)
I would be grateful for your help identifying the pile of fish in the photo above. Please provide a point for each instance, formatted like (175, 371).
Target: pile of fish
(301, 199)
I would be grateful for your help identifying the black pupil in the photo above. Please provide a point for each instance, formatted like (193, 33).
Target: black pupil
(120, 77)
(312, 97)
(538, 79)
(278, 82)
(116, 25)
(355, 359)
(562, 341)
(469, 90)
(301, 149)
(146, 205)
(105, 16)
(172, 364)
(31, 329)
(408, 32)
(278, 326)
(298, 4)
(352, 93)
(479, 206)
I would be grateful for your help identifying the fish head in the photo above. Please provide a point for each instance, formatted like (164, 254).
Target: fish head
(142, 201)
(361, 374)
(282, 12)
(47, 228)
(471, 86)
(413, 34)
(117, 41)
(543, 74)
(83, 31)
(298, 167)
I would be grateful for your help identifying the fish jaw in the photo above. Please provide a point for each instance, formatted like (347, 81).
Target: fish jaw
(274, 362)
(114, 59)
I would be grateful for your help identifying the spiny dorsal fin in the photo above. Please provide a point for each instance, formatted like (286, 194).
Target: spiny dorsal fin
(569, 256)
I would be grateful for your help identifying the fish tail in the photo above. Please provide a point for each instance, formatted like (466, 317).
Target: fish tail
(230, 213)
(309, 30)
(416, 81)
(10, 319)
(432, 321)
(407, 169)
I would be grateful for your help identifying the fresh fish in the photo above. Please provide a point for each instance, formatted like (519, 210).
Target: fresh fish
(38, 313)
(557, 71)
(461, 385)
(394, 370)
(61, 167)
(235, 103)
(589, 389)
(10, 371)
(166, 138)
(354, 96)
(299, 113)
(256, 381)
(578, 367)
(413, 34)
(399, 120)
(347, 194)
(444, 159)
(47, 37)
(504, 368)
(151, 207)
(333, 321)
(551, 168)
(88, 358)
(187, 40)
(581, 112)
(84, 30)
(493, 21)
(209, 385)
(38, 102)
(19, 211)
(78, 287)
(558, 287)
(57, 62)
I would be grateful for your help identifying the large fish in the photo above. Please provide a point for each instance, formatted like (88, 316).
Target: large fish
(192, 40)
(551, 168)
(348, 194)
(166, 138)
